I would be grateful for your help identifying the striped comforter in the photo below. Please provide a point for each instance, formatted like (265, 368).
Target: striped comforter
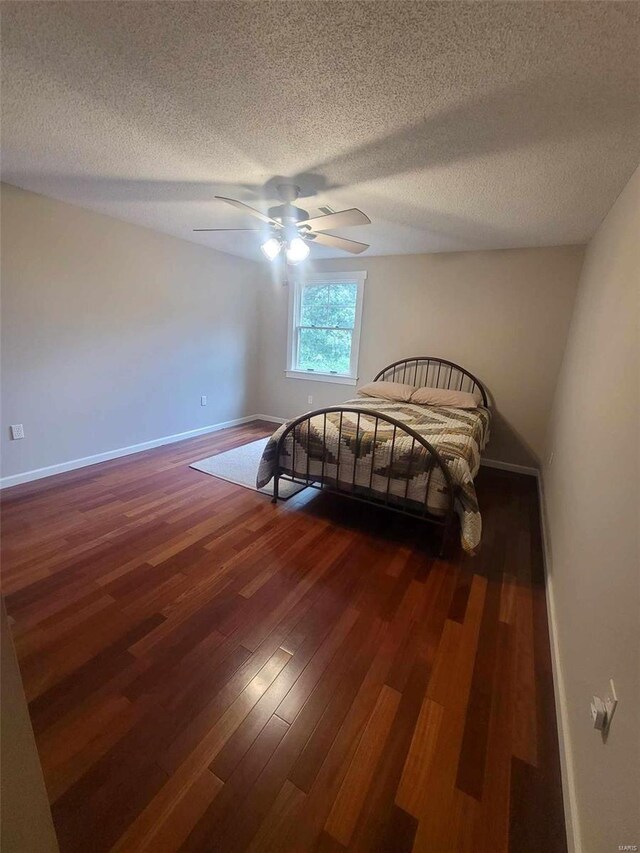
(400, 477)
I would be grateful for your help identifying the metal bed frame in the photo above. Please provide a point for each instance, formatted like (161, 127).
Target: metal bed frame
(419, 371)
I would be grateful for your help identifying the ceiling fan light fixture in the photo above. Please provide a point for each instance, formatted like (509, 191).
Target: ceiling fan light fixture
(271, 248)
(297, 250)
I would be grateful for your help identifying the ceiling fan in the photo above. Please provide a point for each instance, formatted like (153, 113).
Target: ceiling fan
(291, 228)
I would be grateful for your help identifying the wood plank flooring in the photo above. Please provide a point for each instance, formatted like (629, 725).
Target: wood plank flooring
(208, 672)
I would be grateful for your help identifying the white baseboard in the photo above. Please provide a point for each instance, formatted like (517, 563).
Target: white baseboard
(269, 418)
(509, 466)
(71, 465)
(572, 823)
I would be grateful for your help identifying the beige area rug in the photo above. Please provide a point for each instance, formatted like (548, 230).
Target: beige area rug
(240, 466)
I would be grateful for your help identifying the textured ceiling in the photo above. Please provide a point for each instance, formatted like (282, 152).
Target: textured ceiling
(453, 125)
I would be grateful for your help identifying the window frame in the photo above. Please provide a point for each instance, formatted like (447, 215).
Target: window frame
(293, 325)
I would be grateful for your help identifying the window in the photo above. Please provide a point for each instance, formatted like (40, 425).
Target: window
(324, 327)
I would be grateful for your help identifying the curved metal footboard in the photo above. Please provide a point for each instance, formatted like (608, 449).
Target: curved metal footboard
(335, 455)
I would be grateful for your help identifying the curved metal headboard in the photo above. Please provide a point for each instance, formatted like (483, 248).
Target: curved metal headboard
(425, 370)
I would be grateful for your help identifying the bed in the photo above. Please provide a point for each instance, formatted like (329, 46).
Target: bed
(419, 460)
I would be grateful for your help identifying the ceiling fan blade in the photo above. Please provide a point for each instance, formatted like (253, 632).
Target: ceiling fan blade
(227, 229)
(250, 210)
(339, 243)
(340, 219)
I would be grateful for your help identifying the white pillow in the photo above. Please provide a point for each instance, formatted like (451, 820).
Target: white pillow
(388, 391)
(444, 397)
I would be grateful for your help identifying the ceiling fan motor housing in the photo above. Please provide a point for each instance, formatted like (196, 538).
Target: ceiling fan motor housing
(288, 213)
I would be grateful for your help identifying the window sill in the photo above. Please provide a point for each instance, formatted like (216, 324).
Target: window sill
(336, 378)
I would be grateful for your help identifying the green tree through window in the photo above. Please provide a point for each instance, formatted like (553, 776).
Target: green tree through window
(327, 322)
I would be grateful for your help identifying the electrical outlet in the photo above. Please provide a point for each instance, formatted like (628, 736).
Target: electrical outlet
(309, 399)
(611, 702)
(602, 710)
(17, 431)
(203, 400)
(598, 713)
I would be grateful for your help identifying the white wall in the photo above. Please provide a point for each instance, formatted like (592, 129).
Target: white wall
(592, 517)
(112, 332)
(503, 315)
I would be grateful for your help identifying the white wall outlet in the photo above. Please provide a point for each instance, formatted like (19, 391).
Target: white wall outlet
(203, 400)
(602, 710)
(17, 431)
(611, 703)
(598, 713)
(309, 399)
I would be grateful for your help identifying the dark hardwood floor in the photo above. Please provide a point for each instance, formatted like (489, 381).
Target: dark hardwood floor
(208, 672)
